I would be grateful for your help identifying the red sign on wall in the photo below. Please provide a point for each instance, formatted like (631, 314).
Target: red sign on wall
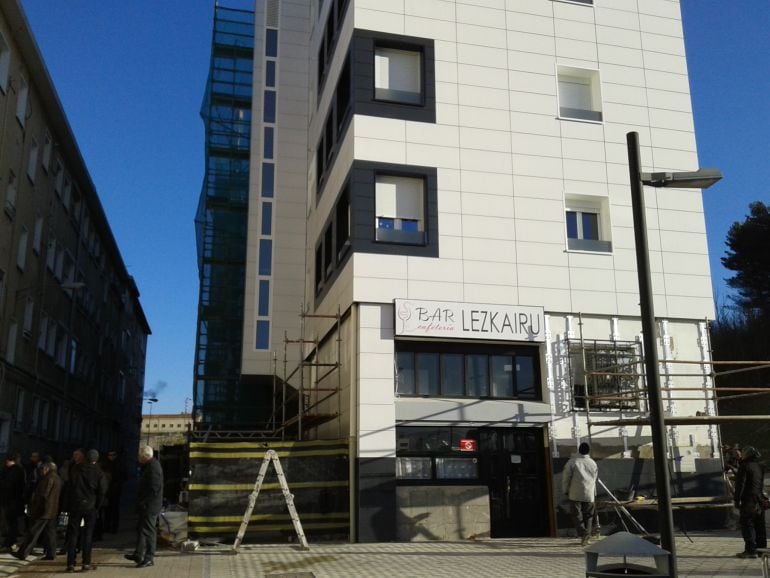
(467, 445)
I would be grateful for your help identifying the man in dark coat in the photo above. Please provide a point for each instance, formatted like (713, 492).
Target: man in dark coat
(12, 486)
(749, 482)
(86, 489)
(149, 501)
(43, 512)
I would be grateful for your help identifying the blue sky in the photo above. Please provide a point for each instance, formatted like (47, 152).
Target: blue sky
(131, 75)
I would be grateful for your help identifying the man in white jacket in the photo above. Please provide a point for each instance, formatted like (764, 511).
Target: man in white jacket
(578, 482)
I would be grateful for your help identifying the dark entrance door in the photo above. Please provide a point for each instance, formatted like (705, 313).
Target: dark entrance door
(512, 463)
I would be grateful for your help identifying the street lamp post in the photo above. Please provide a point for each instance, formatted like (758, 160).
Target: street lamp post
(700, 179)
(150, 401)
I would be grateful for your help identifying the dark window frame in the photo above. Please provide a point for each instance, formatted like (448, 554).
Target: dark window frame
(363, 47)
(359, 189)
(487, 350)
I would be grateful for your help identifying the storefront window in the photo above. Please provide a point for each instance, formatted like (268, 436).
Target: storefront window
(413, 469)
(477, 375)
(426, 373)
(452, 374)
(419, 439)
(405, 372)
(457, 468)
(502, 375)
(467, 370)
(525, 377)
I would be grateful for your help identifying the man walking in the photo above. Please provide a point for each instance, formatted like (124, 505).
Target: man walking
(749, 482)
(85, 494)
(149, 500)
(578, 482)
(43, 512)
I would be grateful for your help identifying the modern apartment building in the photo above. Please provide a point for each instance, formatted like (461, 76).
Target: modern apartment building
(451, 178)
(73, 334)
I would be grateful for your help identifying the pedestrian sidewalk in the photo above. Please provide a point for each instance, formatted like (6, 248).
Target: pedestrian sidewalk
(709, 555)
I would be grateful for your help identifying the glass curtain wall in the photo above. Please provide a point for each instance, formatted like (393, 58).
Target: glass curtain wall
(221, 225)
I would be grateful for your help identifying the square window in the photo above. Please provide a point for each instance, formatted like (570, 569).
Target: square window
(579, 94)
(587, 229)
(400, 209)
(398, 75)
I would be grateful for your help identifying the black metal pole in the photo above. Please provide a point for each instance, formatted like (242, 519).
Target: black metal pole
(652, 377)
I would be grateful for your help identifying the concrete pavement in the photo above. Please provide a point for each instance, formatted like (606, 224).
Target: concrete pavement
(710, 555)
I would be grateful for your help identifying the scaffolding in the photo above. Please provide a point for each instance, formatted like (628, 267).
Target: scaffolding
(614, 379)
(301, 401)
(220, 397)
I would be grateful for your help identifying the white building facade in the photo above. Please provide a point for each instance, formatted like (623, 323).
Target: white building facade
(452, 177)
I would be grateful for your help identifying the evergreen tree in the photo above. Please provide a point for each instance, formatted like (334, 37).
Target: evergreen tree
(748, 255)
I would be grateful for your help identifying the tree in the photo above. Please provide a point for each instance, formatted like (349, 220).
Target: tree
(748, 255)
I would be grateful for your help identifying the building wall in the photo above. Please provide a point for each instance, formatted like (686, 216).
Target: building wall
(287, 276)
(509, 165)
(165, 429)
(506, 163)
(73, 335)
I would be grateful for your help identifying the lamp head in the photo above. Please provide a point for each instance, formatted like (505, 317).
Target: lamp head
(700, 179)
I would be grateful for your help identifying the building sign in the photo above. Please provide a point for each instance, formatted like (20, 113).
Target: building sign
(467, 445)
(468, 320)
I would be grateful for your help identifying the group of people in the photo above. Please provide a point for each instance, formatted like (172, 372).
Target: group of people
(581, 474)
(83, 495)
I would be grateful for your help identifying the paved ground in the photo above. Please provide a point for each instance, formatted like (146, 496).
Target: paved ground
(709, 555)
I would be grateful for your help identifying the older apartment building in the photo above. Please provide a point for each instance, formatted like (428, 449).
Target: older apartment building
(73, 335)
(450, 177)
